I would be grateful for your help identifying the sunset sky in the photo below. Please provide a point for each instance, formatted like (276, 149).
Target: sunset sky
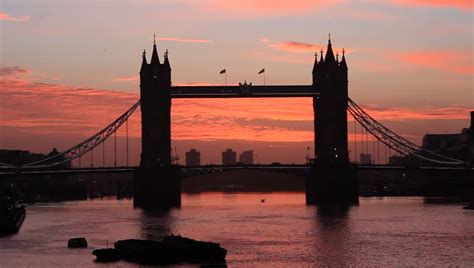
(68, 68)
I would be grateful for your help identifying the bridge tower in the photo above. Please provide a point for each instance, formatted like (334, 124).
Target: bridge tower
(333, 179)
(156, 182)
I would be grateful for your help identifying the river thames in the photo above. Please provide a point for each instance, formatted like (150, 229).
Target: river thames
(279, 232)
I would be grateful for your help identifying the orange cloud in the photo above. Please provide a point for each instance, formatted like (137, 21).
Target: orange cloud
(58, 115)
(455, 62)
(7, 17)
(184, 40)
(460, 4)
(126, 79)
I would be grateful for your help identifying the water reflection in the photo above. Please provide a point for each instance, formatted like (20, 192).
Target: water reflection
(333, 231)
(282, 232)
(156, 223)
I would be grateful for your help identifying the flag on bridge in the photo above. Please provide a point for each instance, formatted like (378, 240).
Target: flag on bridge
(223, 71)
(262, 71)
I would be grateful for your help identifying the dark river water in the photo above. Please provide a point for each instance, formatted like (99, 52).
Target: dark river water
(281, 232)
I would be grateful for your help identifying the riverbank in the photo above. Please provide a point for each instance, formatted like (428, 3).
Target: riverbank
(371, 183)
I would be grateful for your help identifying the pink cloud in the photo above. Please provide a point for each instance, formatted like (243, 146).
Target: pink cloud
(296, 47)
(460, 4)
(185, 84)
(454, 62)
(7, 17)
(126, 79)
(49, 108)
(367, 14)
(266, 7)
(300, 47)
(422, 113)
(184, 40)
(15, 70)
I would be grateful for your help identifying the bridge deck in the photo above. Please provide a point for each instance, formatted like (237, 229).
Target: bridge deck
(243, 91)
(218, 167)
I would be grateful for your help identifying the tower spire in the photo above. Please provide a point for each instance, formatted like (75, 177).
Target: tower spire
(144, 63)
(166, 62)
(321, 59)
(329, 53)
(315, 66)
(343, 60)
(154, 56)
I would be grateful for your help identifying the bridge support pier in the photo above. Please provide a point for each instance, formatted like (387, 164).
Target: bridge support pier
(335, 184)
(157, 188)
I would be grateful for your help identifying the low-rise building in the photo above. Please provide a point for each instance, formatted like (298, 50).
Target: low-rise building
(455, 145)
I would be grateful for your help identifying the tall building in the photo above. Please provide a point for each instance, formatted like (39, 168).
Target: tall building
(193, 158)
(246, 157)
(366, 159)
(229, 157)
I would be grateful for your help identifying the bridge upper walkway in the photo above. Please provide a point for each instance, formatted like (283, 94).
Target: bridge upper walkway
(243, 91)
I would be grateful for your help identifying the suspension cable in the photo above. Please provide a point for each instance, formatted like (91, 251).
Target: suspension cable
(394, 141)
(87, 145)
(103, 154)
(355, 141)
(126, 141)
(115, 148)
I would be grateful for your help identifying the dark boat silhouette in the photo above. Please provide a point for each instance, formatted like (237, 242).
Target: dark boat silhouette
(167, 251)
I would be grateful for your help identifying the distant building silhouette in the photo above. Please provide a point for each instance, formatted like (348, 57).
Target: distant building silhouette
(14, 157)
(20, 157)
(365, 158)
(246, 157)
(459, 145)
(229, 157)
(193, 158)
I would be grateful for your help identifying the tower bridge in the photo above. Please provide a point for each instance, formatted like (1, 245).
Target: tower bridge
(332, 178)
